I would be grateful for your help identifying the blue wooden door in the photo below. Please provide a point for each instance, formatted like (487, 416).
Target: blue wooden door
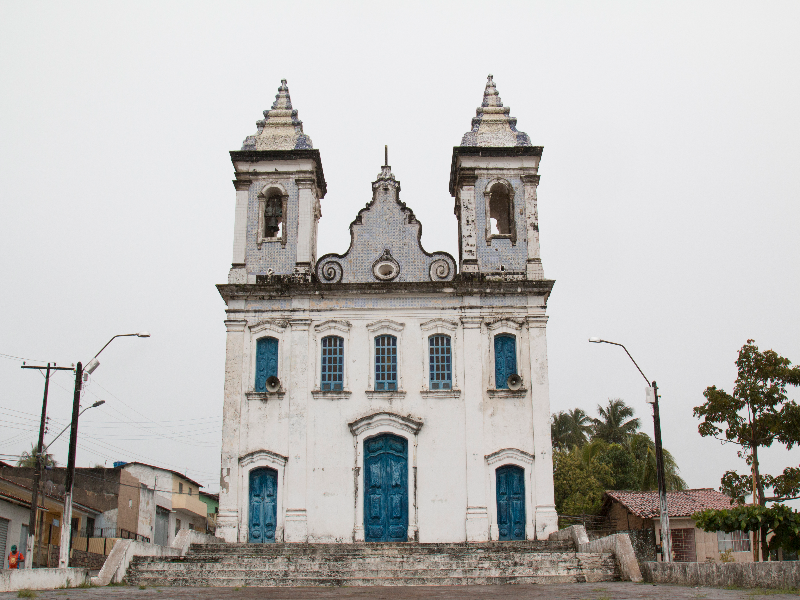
(263, 505)
(511, 502)
(386, 489)
(505, 359)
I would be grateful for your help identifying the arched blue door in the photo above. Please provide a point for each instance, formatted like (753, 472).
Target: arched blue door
(263, 505)
(386, 489)
(511, 502)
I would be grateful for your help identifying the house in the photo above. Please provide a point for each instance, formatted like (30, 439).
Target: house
(15, 510)
(640, 511)
(212, 502)
(387, 393)
(168, 502)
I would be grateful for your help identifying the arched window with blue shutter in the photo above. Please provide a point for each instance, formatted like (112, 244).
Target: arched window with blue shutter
(505, 359)
(332, 371)
(266, 361)
(440, 369)
(385, 363)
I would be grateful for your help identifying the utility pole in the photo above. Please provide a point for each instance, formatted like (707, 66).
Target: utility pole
(66, 525)
(666, 537)
(37, 470)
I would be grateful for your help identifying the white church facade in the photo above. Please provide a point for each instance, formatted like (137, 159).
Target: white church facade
(386, 393)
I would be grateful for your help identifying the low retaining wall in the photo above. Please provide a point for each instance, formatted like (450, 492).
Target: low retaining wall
(618, 544)
(116, 565)
(12, 580)
(774, 575)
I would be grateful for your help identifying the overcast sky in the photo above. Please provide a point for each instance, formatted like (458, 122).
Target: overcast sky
(668, 201)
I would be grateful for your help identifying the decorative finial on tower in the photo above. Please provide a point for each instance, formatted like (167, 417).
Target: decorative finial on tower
(493, 126)
(386, 155)
(280, 129)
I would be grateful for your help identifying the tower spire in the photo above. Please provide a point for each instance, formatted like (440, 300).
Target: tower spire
(493, 126)
(280, 129)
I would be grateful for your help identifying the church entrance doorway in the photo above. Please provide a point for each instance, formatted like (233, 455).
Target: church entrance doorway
(511, 502)
(386, 489)
(263, 505)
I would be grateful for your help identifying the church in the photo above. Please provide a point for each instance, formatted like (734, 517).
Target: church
(388, 393)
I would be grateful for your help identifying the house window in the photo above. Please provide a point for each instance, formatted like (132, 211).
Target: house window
(273, 217)
(180, 488)
(332, 374)
(191, 526)
(177, 526)
(440, 369)
(500, 211)
(735, 541)
(385, 362)
(505, 359)
(190, 491)
(266, 361)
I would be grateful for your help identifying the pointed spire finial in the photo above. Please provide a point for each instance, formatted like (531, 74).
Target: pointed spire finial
(280, 129)
(386, 155)
(493, 126)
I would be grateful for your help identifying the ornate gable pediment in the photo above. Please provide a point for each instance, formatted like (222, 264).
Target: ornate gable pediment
(385, 244)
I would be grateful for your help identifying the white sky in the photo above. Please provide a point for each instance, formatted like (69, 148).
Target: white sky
(668, 201)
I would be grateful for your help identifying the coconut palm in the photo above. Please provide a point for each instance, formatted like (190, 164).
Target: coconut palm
(570, 428)
(644, 449)
(28, 459)
(615, 424)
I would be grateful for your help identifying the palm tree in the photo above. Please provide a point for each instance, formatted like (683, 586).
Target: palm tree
(614, 425)
(28, 459)
(644, 449)
(570, 428)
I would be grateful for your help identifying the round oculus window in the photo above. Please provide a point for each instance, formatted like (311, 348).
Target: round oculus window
(386, 270)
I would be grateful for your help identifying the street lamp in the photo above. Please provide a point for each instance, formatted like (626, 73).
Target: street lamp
(66, 525)
(666, 543)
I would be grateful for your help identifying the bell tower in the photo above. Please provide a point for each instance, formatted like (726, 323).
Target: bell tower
(279, 184)
(493, 178)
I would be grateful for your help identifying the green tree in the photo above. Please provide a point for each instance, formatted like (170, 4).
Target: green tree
(779, 520)
(28, 459)
(579, 486)
(757, 414)
(570, 428)
(644, 449)
(616, 422)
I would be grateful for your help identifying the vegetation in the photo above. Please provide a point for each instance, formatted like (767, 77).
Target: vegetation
(592, 455)
(28, 459)
(779, 520)
(756, 415)
(26, 593)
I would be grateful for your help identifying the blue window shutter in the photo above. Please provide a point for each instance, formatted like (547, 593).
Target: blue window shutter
(505, 359)
(385, 362)
(440, 370)
(266, 361)
(332, 373)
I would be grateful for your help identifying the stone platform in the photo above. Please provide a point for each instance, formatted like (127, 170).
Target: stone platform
(381, 564)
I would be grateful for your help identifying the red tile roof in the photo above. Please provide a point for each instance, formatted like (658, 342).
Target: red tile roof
(679, 504)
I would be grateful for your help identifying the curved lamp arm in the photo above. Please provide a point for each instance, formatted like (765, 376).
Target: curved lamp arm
(595, 340)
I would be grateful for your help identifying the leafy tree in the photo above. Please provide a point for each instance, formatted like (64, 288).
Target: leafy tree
(570, 428)
(579, 486)
(28, 459)
(616, 422)
(780, 520)
(756, 415)
(644, 449)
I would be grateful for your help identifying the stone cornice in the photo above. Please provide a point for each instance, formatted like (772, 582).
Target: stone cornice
(267, 155)
(463, 286)
(486, 151)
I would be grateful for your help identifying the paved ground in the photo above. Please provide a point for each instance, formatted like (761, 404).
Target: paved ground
(573, 591)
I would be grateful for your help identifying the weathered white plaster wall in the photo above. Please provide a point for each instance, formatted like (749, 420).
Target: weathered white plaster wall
(17, 516)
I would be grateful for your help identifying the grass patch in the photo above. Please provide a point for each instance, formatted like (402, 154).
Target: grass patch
(142, 586)
(27, 594)
(772, 592)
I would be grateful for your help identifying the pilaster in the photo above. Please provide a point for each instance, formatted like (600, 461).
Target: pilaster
(468, 228)
(238, 273)
(228, 518)
(546, 518)
(296, 520)
(534, 268)
(477, 517)
(306, 224)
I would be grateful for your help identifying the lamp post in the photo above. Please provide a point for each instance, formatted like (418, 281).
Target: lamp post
(666, 542)
(66, 525)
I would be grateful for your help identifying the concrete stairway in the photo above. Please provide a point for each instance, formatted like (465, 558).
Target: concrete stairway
(274, 565)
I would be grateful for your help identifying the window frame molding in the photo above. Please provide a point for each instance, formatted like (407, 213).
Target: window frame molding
(277, 329)
(340, 328)
(487, 195)
(256, 460)
(263, 195)
(439, 326)
(509, 326)
(377, 329)
(525, 461)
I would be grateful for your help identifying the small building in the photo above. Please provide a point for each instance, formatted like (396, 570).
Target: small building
(640, 511)
(168, 502)
(15, 510)
(212, 502)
